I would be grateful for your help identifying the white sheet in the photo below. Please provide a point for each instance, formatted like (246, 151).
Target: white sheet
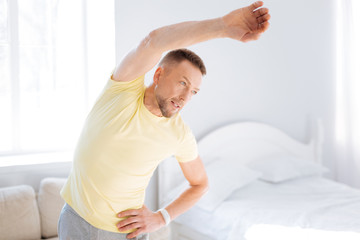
(270, 231)
(312, 203)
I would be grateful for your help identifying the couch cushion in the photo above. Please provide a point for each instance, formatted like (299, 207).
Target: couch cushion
(19, 215)
(50, 205)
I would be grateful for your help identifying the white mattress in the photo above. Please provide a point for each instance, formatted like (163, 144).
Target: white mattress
(312, 203)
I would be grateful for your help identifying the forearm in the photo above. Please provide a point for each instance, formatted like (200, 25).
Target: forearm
(184, 34)
(186, 200)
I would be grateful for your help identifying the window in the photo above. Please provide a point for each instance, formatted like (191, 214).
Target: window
(55, 58)
(347, 117)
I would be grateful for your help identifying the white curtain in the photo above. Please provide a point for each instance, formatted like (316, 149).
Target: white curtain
(55, 58)
(348, 93)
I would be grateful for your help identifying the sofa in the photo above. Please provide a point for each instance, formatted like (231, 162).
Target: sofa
(27, 215)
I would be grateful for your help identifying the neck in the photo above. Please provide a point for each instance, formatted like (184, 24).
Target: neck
(150, 101)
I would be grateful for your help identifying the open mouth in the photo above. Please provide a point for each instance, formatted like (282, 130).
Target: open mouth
(175, 105)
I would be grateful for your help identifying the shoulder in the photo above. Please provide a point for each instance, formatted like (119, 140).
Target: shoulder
(135, 85)
(182, 128)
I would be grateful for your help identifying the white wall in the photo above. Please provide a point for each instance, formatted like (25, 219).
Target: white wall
(285, 79)
(32, 174)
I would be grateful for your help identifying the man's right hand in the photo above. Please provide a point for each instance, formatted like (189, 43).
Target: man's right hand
(244, 24)
(248, 23)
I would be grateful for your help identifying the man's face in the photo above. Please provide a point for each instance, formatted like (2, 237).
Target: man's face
(175, 85)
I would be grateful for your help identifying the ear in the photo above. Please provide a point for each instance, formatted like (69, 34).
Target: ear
(157, 75)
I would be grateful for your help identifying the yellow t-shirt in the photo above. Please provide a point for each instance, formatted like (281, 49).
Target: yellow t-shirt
(119, 148)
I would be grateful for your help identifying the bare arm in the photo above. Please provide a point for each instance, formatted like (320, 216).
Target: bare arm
(244, 24)
(194, 172)
(147, 221)
(143, 58)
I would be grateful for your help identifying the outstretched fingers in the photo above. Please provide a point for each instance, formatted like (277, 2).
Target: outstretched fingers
(260, 12)
(263, 18)
(263, 26)
(247, 24)
(256, 5)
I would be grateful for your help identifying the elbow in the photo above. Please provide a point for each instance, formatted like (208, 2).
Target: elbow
(148, 47)
(205, 186)
(155, 41)
(202, 187)
(150, 41)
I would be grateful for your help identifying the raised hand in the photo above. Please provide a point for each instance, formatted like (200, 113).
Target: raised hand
(248, 23)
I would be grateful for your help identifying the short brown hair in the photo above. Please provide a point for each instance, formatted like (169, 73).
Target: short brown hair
(178, 55)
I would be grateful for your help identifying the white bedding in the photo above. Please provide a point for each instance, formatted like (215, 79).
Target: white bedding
(315, 205)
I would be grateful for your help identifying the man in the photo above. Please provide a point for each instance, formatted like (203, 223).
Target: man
(132, 128)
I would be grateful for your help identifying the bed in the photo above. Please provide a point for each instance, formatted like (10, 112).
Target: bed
(263, 185)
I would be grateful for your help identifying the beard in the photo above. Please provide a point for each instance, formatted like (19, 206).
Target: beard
(164, 106)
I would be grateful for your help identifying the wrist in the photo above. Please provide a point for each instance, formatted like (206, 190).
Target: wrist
(234, 25)
(223, 27)
(161, 218)
(164, 216)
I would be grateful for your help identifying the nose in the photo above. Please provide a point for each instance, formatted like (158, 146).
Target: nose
(185, 96)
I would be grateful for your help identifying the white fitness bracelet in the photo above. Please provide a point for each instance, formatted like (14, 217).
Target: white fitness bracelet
(165, 215)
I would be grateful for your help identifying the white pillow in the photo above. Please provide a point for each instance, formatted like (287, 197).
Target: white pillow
(224, 178)
(277, 168)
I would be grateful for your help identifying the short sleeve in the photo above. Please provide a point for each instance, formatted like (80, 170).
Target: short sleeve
(187, 149)
(134, 86)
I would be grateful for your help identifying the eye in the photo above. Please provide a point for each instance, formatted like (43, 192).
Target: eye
(183, 83)
(194, 92)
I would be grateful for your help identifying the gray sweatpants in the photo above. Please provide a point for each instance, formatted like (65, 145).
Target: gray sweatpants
(73, 227)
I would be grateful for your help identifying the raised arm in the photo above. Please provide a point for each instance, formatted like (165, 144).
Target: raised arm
(244, 24)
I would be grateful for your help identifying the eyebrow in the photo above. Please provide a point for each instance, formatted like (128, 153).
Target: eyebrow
(197, 89)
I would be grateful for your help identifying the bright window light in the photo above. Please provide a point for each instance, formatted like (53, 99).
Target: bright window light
(55, 58)
(340, 103)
